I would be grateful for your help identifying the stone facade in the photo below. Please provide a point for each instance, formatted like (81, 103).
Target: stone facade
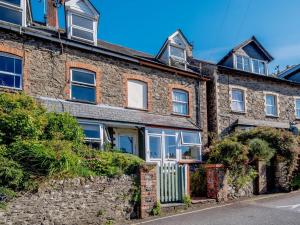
(74, 201)
(223, 120)
(47, 75)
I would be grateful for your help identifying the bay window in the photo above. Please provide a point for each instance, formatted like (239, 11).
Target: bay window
(13, 11)
(83, 85)
(237, 100)
(10, 71)
(180, 102)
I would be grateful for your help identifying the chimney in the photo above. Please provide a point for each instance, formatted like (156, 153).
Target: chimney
(52, 14)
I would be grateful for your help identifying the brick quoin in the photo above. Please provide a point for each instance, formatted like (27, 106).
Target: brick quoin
(148, 81)
(183, 88)
(22, 54)
(84, 66)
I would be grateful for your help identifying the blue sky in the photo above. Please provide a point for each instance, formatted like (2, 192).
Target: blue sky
(213, 26)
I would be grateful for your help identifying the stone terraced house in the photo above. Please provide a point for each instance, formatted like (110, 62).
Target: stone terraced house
(151, 106)
(242, 94)
(161, 108)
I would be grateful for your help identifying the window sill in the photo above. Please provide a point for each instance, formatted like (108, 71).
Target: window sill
(272, 116)
(84, 102)
(181, 115)
(132, 108)
(239, 112)
(189, 161)
(10, 89)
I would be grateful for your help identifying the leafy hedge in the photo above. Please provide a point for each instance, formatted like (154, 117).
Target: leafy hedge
(239, 150)
(35, 145)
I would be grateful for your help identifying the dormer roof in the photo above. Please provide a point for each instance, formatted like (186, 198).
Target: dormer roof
(251, 41)
(172, 36)
(289, 72)
(84, 7)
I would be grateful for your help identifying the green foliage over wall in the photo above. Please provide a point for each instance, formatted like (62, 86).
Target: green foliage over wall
(36, 145)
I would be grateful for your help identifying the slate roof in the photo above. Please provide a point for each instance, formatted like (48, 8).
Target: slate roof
(262, 123)
(252, 39)
(116, 114)
(290, 71)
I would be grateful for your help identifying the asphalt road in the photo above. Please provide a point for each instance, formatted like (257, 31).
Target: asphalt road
(279, 210)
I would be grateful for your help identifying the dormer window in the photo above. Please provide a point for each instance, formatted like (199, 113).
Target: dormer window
(250, 65)
(175, 51)
(82, 21)
(13, 11)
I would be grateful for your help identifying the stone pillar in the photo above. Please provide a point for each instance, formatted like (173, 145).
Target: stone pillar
(148, 182)
(282, 176)
(217, 187)
(261, 185)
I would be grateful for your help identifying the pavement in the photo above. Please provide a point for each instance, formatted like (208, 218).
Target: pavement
(277, 209)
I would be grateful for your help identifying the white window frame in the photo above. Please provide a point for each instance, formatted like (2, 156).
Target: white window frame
(82, 84)
(13, 74)
(276, 104)
(181, 102)
(189, 144)
(71, 26)
(244, 92)
(101, 129)
(176, 58)
(251, 64)
(21, 9)
(296, 115)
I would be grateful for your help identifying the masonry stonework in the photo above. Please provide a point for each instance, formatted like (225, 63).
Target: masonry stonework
(223, 118)
(47, 62)
(79, 201)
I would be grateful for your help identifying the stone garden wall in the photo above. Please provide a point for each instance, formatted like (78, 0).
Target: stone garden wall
(74, 201)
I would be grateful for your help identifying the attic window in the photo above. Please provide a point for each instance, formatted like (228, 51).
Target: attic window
(177, 52)
(82, 28)
(177, 57)
(12, 11)
(250, 65)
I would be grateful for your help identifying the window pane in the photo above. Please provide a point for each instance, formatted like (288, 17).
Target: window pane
(91, 130)
(237, 95)
(180, 108)
(82, 34)
(190, 152)
(239, 62)
(126, 144)
(298, 113)
(178, 52)
(82, 22)
(247, 66)
(14, 2)
(170, 145)
(190, 137)
(262, 68)
(137, 94)
(17, 82)
(7, 64)
(238, 106)
(7, 80)
(270, 100)
(18, 66)
(10, 15)
(155, 147)
(83, 93)
(180, 96)
(298, 104)
(255, 66)
(83, 77)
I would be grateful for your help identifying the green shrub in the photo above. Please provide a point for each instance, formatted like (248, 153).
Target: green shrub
(156, 210)
(20, 118)
(63, 126)
(260, 150)
(113, 163)
(296, 182)
(187, 201)
(198, 182)
(11, 174)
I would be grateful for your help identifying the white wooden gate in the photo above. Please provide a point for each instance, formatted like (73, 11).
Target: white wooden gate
(172, 182)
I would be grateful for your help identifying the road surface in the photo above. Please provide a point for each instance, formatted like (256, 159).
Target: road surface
(279, 210)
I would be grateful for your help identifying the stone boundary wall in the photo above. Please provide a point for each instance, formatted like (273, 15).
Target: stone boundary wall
(74, 201)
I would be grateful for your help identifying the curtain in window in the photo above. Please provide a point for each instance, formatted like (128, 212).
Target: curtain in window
(271, 107)
(238, 100)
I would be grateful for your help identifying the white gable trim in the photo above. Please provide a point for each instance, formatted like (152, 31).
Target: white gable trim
(69, 4)
(182, 38)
